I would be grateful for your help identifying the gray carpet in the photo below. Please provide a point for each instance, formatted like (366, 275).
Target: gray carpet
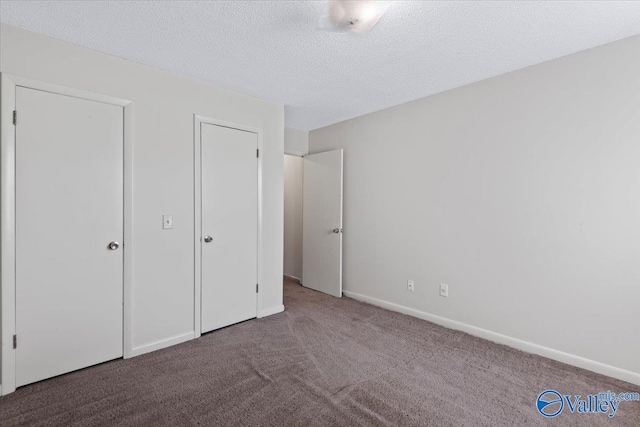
(324, 361)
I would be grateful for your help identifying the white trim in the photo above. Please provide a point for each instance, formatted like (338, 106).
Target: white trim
(341, 235)
(7, 232)
(529, 347)
(157, 345)
(197, 198)
(294, 278)
(197, 230)
(7, 213)
(269, 311)
(127, 274)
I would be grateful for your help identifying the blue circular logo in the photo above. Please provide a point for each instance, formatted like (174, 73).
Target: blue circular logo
(550, 403)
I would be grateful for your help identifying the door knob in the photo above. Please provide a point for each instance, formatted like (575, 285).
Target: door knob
(208, 239)
(337, 230)
(113, 246)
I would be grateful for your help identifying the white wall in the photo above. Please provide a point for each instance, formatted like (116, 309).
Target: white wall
(163, 275)
(296, 142)
(293, 175)
(521, 192)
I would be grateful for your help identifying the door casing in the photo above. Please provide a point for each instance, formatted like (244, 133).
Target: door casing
(8, 84)
(197, 174)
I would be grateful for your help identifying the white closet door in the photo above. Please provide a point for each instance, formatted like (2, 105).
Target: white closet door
(322, 222)
(69, 207)
(229, 241)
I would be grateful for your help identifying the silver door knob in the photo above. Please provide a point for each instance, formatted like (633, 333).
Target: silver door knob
(113, 246)
(337, 230)
(208, 239)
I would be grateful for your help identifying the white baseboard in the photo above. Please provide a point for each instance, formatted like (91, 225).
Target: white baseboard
(294, 278)
(272, 310)
(529, 347)
(148, 348)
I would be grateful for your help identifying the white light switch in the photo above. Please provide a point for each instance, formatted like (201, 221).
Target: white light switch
(167, 221)
(444, 290)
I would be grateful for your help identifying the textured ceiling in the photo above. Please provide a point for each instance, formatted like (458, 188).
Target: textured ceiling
(274, 51)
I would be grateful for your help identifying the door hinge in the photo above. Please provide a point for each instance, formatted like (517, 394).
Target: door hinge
(15, 341)
(257, 151)
(256, 288)
(15, 117)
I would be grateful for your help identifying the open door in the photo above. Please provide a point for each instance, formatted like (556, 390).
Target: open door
(322, 222)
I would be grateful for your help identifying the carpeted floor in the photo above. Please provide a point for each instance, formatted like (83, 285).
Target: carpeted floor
(324, 361)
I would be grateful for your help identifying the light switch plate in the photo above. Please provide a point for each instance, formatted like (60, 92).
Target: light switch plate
(444, 290)
(167, 222)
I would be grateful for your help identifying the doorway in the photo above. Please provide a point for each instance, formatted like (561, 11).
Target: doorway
(322, 222)
(313, 220)
(293, 180)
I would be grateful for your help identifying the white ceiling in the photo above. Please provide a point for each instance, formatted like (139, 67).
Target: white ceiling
(274, 51)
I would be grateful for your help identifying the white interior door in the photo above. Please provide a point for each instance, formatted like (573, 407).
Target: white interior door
(229, 168)
(69, 207)
(322, 222)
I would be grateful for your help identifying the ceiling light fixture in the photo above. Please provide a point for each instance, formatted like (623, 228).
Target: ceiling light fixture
(352, 16)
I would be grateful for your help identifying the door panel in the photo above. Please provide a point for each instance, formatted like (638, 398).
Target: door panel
(322, 222)
(69, 206)
(230, 218)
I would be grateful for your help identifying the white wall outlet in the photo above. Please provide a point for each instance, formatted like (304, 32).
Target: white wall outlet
(444, 290)
(411, 286)
(167, 222)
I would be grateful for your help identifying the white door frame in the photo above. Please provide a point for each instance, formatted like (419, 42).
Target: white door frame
(8, 85)
(197, 236)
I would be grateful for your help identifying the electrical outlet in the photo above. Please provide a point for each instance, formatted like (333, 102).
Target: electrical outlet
(444, 290)
(411, 286)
